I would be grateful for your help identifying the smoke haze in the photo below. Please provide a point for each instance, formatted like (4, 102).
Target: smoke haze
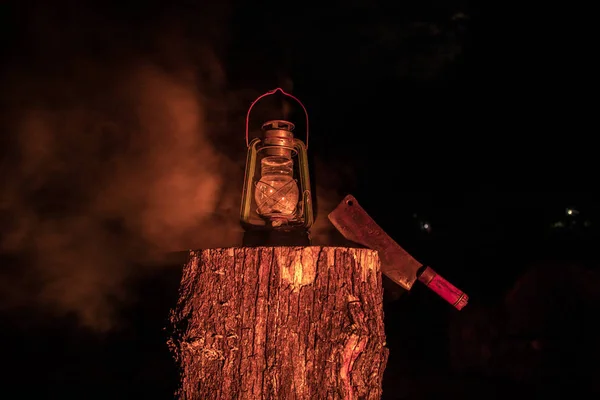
(109, 163)
(89, 192)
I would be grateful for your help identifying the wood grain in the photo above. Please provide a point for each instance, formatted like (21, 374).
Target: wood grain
(280, 323)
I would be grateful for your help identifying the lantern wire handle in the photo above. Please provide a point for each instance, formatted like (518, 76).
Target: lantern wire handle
(268, 94)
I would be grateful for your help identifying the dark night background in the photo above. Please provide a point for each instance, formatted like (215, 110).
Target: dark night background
(471, 119)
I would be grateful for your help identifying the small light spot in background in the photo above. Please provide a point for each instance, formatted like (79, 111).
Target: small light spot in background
(571, 220)
(425, 226)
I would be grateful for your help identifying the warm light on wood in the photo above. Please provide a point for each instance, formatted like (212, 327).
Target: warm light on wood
(280, 323)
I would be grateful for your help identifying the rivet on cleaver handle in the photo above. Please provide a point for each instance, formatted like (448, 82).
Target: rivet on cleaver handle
(356, 225)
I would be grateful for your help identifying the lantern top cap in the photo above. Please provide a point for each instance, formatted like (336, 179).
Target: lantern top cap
(278, 124)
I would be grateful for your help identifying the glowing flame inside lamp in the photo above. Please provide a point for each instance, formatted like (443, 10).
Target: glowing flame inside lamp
(276, 193)
(282, 196)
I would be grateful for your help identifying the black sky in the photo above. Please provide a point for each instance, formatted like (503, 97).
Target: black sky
(476, 119)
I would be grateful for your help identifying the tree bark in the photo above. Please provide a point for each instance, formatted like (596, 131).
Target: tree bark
(280, 323)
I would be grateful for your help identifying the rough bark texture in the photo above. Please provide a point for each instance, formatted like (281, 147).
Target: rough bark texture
(280, 323)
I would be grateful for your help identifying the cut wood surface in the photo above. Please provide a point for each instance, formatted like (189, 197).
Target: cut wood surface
(280, 323)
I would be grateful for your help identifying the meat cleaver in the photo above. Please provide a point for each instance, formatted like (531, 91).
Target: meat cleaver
(353, 222)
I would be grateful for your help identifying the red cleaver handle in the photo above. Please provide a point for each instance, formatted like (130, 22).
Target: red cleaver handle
(443, 288)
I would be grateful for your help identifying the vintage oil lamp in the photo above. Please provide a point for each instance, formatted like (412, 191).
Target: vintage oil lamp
(276, 204)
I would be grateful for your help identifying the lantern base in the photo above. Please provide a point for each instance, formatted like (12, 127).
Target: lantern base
(276, 238)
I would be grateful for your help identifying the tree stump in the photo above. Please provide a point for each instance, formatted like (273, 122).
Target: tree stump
(280, 323)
